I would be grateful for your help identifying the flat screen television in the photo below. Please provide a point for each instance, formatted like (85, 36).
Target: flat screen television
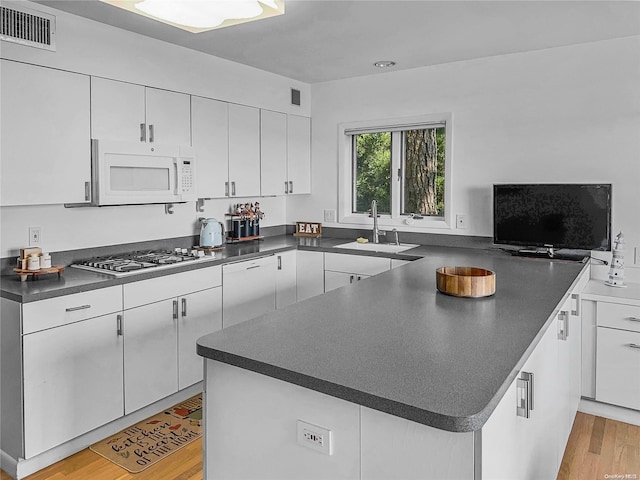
(569, 216)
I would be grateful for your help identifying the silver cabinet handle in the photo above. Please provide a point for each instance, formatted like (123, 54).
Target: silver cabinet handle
(151, 135)
(279, 262)
(286, 187)
(632, 319)
(524, 395)
(184, 307)
(119, 325)
(253, 266)
(563, 325)
(233, 189)
(87, 191)
(143, 132)
(226, 189)
(576, 297)
(74, 309)
(175, 309)
(634, 345)
(290, 186)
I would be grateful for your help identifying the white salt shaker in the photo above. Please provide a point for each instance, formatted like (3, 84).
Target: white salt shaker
(45, 261)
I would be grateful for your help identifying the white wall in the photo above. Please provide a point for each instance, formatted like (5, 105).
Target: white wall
(96, 49)
(569, 114)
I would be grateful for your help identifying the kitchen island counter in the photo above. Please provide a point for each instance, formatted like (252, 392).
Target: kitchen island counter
(394, 344)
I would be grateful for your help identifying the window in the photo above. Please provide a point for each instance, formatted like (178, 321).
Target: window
(403, 166)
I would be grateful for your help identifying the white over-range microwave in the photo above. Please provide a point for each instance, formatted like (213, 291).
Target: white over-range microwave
(124, 173)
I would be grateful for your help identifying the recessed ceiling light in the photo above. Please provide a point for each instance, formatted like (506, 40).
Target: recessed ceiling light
(384, 64)
(201, 15)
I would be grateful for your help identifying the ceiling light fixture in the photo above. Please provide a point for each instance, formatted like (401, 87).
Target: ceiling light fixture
(384, 64)
(201, 15)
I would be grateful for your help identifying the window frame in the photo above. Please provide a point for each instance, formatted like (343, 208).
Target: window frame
(346, 171)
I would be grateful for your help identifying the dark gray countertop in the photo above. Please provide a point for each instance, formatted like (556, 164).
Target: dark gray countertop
(394, 344)
(75, 280)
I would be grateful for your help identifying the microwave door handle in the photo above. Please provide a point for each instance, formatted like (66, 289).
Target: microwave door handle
(178, 176)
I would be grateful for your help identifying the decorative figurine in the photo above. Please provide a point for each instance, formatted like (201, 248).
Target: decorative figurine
(616, 271)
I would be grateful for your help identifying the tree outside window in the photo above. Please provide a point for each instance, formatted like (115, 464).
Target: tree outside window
(420, 167)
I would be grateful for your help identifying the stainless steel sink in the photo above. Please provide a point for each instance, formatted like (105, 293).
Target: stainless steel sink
(377, 247)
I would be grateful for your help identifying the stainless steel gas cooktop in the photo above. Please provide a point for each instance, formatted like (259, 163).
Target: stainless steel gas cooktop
(137, 262)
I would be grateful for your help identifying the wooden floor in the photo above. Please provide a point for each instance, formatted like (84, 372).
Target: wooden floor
(598, 449)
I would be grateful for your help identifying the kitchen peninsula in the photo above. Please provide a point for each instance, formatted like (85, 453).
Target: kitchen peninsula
(387, 378)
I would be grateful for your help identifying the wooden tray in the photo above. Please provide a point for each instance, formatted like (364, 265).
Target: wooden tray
(469, 282)
(244, 239)
(24, 273)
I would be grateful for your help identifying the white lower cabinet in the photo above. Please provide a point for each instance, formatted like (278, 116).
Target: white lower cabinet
(160, 335)
(309, 274)
(286, 278)
(516, 447)
(342, 269)
(72, 381)
(618, 367)
(333, 280)
(200, 313)
(150, 354)
(249, 289)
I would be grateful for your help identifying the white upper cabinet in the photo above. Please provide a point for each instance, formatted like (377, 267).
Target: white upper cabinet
(299, 154)
(210, 139)
(244, 151)
(273, 153)
(45, 149)
(128, 112)
(286, 153)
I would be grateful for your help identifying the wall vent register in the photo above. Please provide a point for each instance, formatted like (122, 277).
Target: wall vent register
(23, 26)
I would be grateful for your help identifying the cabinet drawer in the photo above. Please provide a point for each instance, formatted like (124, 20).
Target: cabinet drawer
(54, 312)
(618, 367)
(339, 262)
(616, 315)
(161, 288)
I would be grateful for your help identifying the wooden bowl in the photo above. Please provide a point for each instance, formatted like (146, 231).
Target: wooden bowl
(466, 281)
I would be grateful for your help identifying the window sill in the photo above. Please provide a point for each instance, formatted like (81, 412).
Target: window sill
(386, 222)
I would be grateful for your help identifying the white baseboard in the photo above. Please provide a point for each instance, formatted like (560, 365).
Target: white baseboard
(21, 468)
(606, 410)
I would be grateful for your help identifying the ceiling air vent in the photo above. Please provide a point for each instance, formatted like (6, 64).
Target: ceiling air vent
(26, 27)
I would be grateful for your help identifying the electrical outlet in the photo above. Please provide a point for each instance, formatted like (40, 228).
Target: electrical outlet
(314, 437)
(35, 236)
(461, 221)
(329, 215)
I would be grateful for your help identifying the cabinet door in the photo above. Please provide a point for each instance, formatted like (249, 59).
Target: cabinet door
(309, 274)
(117, 111)
(72, 381)
(200, 313)
(299, 153)
(210, 139)
(244, 151)
(273, 153)
(515, 447)
(618, 367)
(150, 353)
(45, 150)
(249, 290)
(168, 117)
(286, 279)
(333, 280)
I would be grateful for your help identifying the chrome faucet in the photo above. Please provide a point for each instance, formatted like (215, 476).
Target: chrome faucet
(376, 231)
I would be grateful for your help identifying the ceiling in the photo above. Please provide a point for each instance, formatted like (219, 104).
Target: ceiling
(323, 40)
